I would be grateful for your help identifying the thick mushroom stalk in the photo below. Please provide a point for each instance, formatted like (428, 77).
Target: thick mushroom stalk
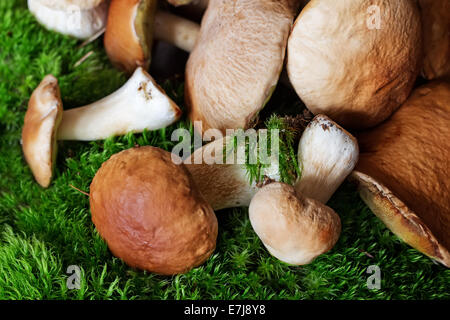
(137, 106)
(237, 60)
(224, 185)
(403, 171)
(293, 228)
(78, 18)
(41, 122)
(328, 154)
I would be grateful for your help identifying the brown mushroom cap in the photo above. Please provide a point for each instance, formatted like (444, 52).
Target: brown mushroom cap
(150, 212)
(293, 228)
(436, 37)
(354, 74)
(237, 60)
(403, 171)
(41, 123)
(129, 33)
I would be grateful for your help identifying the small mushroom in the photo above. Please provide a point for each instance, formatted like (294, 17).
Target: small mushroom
(131, 27)
(237, 60)
(150, 212)
(327, 155)
(41, 122)
(78, 18)
(436, 38)
(140, 104)
(403, 171)
(293, 228)
(355, 60)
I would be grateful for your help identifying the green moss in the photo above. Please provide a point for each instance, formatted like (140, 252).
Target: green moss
(42, 232)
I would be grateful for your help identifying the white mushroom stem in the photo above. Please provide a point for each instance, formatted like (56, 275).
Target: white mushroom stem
(175, 30)
(140, 104)
(328, 154)
(223, 185)
(69, 19)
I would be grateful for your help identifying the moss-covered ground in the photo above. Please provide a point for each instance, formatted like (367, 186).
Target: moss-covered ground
(42, 232)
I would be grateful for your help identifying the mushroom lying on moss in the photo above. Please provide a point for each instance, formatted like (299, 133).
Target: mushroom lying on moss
(403, 171)
(150, 212)
(140, 104)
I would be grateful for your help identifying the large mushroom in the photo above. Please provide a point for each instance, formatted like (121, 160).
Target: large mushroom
(78, 18)
(150, 212)
(403, 171)
(237, 61)
(436, 38)
(355, 60)
(140, 104)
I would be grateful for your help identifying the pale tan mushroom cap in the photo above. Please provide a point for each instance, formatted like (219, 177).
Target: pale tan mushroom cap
(404, 167)
(342, 66)
(237, 60)
(436, 31)
(293, 228)
(42, 119)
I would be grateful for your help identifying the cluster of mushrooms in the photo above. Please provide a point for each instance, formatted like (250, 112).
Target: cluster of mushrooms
(159, 216)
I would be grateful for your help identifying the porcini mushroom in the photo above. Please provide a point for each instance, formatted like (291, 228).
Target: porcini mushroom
(327, 155)
(403, 171)
(138, 105)
(131, 27)
(78, 18)
(293, 228)
(436, 38)
(237, 60)
(355, 60)
(150, 213)
(41, 122)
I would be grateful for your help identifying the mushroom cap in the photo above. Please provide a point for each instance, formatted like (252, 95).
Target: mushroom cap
(237, 60)
(293, 228)
(41, 123)
(354, 74)
(403, 171)
(150, 213)
(129, 33)
(436, 37)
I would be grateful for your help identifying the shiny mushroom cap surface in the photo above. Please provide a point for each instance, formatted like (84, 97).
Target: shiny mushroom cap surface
(150, 213)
